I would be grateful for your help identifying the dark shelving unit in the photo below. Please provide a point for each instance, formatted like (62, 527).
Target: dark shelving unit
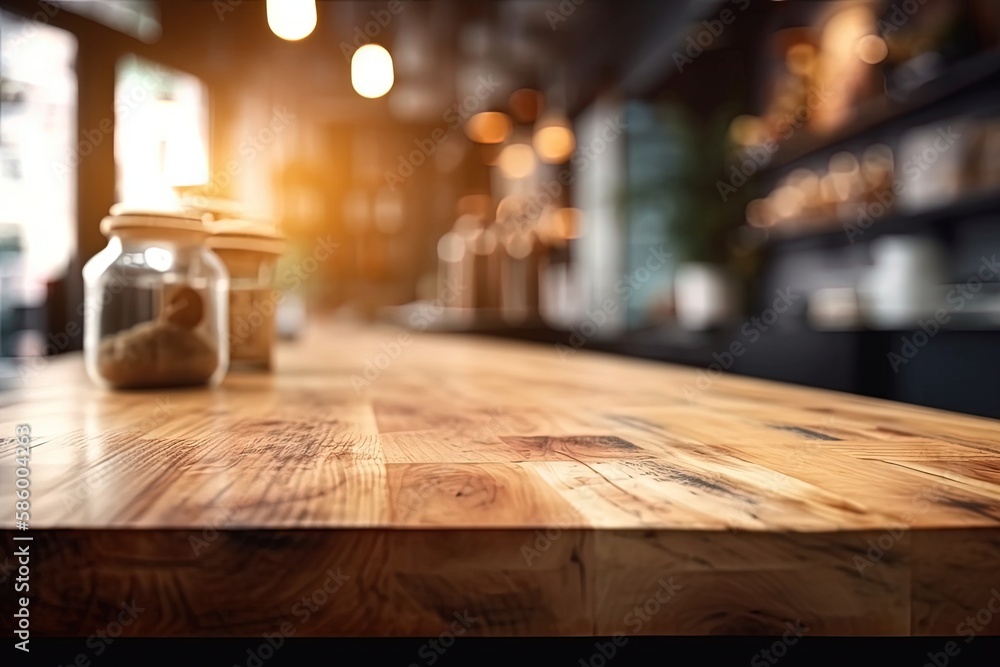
(884, 116)
(833, 233)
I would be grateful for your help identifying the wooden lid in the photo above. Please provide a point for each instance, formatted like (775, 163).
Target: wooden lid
(248, 236)
(151, 220)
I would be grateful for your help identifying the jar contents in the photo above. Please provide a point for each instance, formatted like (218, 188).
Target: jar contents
(166, 352)
(251, 326)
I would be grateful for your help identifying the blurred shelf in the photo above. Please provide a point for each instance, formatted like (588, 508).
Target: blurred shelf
(835, 231)
(881, 114)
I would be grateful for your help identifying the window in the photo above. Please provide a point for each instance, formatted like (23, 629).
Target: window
(38, 158)
(161, 132)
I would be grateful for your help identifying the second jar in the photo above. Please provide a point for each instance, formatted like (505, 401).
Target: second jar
(250, 252)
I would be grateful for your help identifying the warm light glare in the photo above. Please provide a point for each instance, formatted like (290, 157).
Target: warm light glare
(291, 19)
(371, 71)
(566, 223)
(758, 214)
(554, 140)
(801, 59)
(489, 127)
(877, 165)
(158, 259)
(519, 246)
(451, 247)
(844, 162)
(787, 201)
(872, 49)
(388, 213)
(747, 131)
(477, 204)
(517, 161)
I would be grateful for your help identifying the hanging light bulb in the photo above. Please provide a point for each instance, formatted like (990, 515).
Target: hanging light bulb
(554, 139)
(371, 71)
(291, 19)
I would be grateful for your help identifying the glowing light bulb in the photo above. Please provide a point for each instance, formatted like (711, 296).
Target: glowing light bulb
(517, 161)
(489, 127)
(371, 71)
(554, 140)
(291, 19)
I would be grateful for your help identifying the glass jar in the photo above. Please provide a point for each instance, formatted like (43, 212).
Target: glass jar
(250, 252)
(156, 304)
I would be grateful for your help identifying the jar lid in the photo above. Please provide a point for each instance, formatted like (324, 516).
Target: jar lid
(245, 235)
(129, 217)
(217, 207)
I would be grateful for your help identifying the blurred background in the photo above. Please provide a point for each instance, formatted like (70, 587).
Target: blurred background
(799, 190)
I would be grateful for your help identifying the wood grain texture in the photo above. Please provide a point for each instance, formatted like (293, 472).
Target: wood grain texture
(535, 491)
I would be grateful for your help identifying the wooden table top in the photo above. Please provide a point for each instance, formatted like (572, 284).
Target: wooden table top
(464, 432)
(633, 468)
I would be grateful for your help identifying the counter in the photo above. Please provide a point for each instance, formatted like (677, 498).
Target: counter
(390, 483)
